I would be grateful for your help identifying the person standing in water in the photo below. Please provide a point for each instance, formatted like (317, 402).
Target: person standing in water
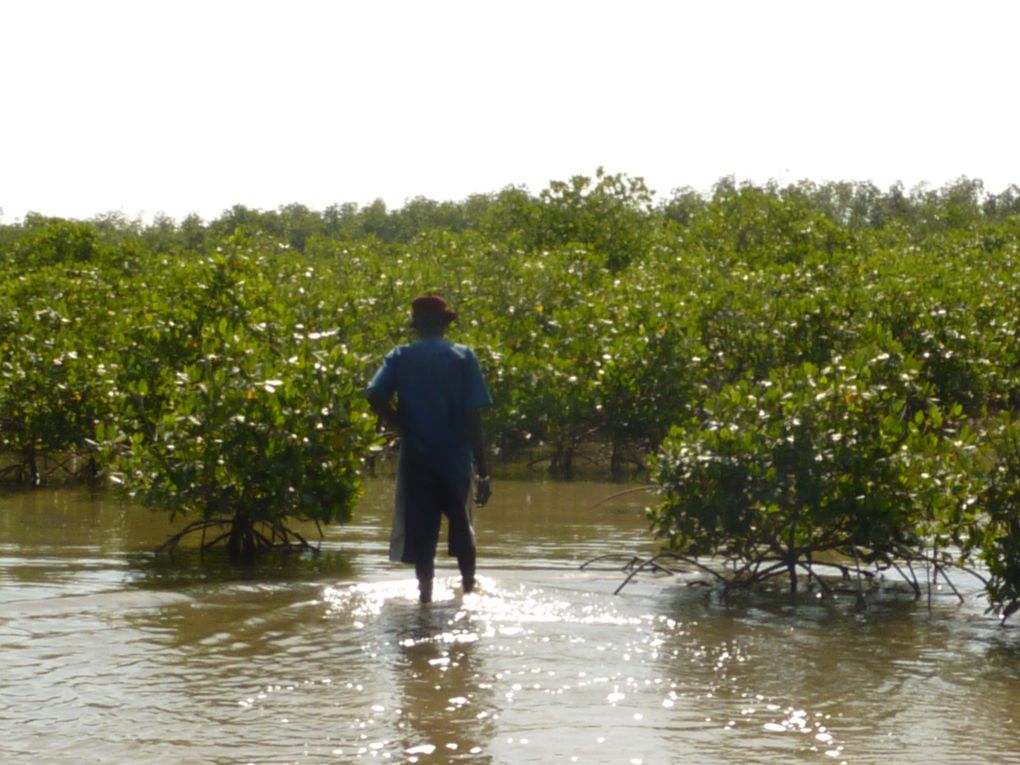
(439, 391)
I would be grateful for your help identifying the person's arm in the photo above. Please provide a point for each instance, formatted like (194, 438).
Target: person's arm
(476, 437)
(382, 405)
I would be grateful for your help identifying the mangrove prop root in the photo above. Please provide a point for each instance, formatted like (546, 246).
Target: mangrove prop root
(945, 576)
(261, 539)
(911, 580)
(860, 586)
(973, 573)
(271, 536)
(171, 544)
(913, 575)
(216, 540)
(732, 575)
(928, 560)
(304, 542)
(653, 563)
(809, 567)
(631, 561)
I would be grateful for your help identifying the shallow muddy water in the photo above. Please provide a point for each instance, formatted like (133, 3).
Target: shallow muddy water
(109, 656)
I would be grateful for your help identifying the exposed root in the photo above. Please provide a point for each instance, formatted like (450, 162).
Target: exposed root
(216, 541)
(250, 539)
(860, 588)
(945, 576)
(631, 561)
(731, 575)
(171, 544)
(809, 568)
(653, 564)
(911, 580)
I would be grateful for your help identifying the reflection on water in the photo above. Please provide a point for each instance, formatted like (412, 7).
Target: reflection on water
(437, 697)
(331, 659)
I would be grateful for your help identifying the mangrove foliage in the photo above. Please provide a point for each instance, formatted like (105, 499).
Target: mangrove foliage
(815, 377)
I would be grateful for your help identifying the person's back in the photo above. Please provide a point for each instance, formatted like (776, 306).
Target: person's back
(436, 383)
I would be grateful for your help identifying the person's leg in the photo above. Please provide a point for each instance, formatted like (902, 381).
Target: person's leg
(461, 544)
(424, 570)
(466, 563)
(423, 517)
(424, 555)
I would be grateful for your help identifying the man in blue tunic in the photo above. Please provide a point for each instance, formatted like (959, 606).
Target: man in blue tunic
(439, 393)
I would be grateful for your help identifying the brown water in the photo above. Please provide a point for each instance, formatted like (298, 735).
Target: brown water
(109, 656)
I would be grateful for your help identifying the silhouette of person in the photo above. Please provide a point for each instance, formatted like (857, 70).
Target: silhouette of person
(439, 392)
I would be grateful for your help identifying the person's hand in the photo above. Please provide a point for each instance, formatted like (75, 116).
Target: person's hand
(483, 490)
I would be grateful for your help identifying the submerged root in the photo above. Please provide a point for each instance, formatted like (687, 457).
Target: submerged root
(195, 526)
(732, 574)
(244, 540)
(630, 561)
(635, 564)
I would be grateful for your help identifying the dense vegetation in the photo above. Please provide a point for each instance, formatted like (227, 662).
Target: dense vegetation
(820, 372)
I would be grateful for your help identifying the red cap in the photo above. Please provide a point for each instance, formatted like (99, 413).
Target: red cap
(430, 308)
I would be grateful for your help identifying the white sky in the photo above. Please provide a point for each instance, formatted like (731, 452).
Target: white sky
(146, 106)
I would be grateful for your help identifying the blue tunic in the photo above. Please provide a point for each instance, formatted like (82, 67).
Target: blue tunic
(436, 383)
